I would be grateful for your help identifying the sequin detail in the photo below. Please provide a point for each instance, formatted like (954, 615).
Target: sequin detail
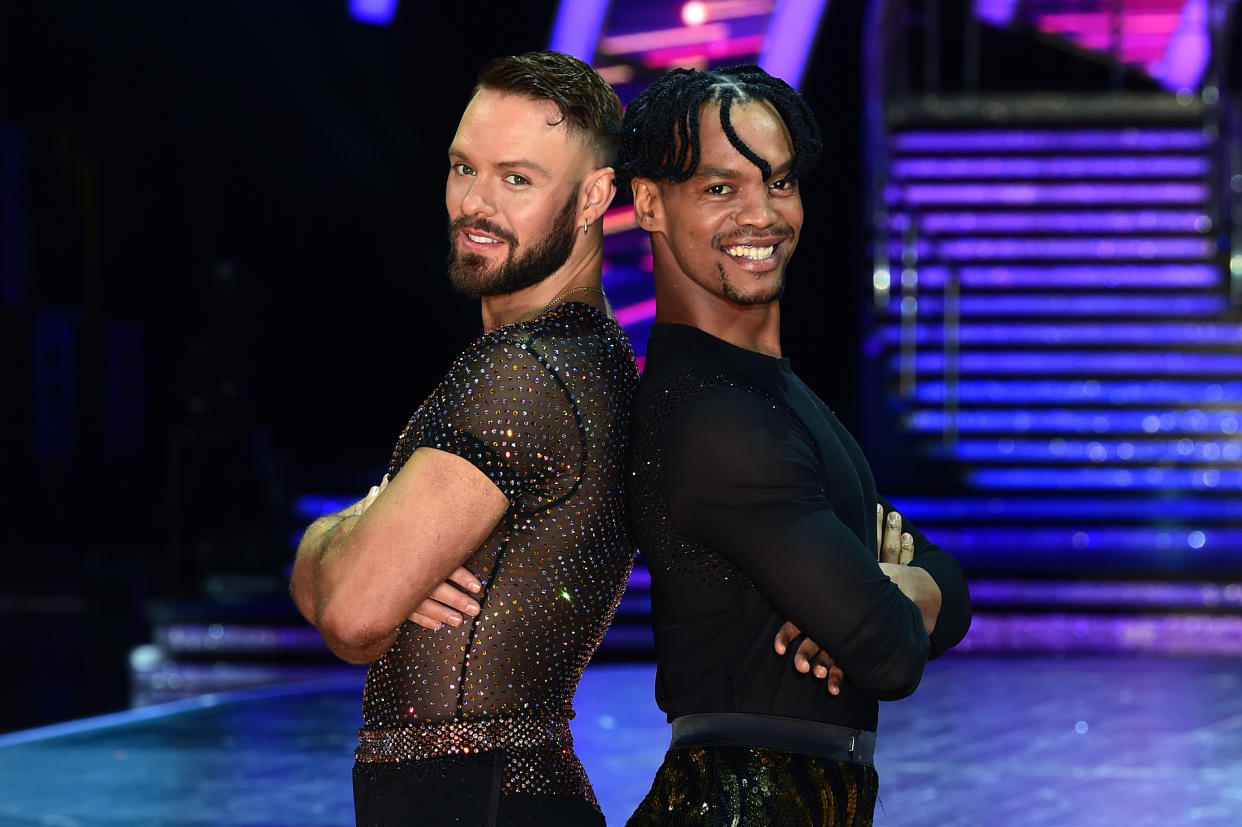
(539, 749)
(542, 408)
(717, 786)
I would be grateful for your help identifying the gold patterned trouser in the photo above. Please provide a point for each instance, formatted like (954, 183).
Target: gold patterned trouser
(757, 787)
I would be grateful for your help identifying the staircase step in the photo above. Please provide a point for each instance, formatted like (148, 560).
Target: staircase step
(1153, 334)
(1126, 139)
(1076, 167)
(1039, 478)
(934, 222)
(1085, 276)
(1087, 391)
(1112, 303)
(986, 195)
(1018, 507)
(1118, 453)
(1079, 420)
(1173, 549)
(1078, 363)
(1090, 249)
(1131, 594)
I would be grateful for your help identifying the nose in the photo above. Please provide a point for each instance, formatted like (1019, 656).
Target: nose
(756, 210)
(475, 199)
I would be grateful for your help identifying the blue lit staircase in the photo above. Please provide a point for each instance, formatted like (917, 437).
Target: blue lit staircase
(1059, 349)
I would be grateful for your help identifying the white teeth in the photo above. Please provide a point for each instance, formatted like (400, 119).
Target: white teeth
(481, 239)
(753, 253)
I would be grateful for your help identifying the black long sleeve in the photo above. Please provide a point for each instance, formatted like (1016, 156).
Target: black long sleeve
(742, 477)
(955, 613)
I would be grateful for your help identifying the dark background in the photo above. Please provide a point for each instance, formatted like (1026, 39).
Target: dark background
(222, 243)
(222, 257)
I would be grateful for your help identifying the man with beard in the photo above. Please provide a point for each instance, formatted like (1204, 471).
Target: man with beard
(507, 482)
(751, 503)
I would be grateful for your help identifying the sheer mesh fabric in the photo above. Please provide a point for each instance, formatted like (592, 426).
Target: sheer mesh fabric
(541, 407)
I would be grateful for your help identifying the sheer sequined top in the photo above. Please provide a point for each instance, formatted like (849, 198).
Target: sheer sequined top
(541, 407)
(752, 504)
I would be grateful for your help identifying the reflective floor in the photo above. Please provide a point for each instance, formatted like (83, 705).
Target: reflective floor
(1009, 741)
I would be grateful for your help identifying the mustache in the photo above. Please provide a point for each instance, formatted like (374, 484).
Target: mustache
(464, 222)
(781, 232)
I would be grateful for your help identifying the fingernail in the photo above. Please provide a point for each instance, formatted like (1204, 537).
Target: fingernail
(455, 620)
(821, 672)
(472, 609)
(476, 587)
(374, 490)
(385, 478)
(892, 518)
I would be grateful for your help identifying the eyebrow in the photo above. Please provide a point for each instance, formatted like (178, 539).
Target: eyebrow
(728, 173)
(519, 163)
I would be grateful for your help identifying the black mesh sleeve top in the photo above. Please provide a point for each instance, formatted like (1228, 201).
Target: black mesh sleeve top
(541, 407)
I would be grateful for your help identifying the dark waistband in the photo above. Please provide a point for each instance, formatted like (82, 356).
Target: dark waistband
(742, 729)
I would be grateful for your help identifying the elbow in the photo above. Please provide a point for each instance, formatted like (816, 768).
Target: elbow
(900, 679)
(352, 634)
(891, 670)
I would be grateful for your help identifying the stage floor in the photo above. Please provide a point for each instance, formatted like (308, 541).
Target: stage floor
(987, 740)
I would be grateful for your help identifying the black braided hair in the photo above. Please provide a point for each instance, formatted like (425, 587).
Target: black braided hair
(660, 132)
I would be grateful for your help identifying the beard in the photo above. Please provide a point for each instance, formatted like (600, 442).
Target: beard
(768, 293)
(471, 275)
(765, 293)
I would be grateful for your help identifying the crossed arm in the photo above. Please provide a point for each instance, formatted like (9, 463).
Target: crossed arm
(360, 573)
(896, 550)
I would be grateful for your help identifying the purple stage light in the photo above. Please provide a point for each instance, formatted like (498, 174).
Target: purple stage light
(789, 38)
(1078, 304)
(1170, 549)
(1083, 333)
(1020, 140)
(996, 12)
(1080, 451)
(1026, 392)
(1189, 48)
(577, 27)
(1034, 478)
(1082, 421)
(1169, 192)
(1082, 361)
(1131, 166)
(1088, 633)
(1101, 249)
(1132, 275)
(1079, 221)
(989, 508)
(373, 12)
(633, 314)
(1046, 593)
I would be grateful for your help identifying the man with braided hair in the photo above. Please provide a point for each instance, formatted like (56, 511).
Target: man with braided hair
(507, 481)
(751, 503)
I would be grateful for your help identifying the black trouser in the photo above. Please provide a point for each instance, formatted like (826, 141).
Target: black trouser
(457, 790)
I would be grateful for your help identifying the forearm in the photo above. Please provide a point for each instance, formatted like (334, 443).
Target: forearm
(922, 589)
(304, 583)
(953, 615)
(310, 584)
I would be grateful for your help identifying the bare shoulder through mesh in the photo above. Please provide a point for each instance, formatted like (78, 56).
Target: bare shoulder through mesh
(502, 407)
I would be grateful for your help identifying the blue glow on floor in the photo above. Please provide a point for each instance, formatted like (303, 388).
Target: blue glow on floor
(1012, 741)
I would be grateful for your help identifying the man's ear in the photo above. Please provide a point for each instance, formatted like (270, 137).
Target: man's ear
(648, 205)
(598, 190)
